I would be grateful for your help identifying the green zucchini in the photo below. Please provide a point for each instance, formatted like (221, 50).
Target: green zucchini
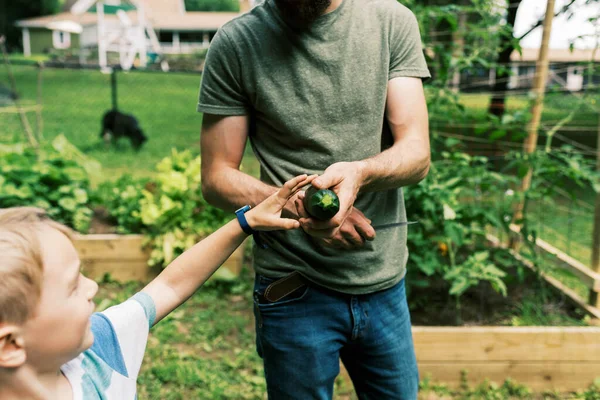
(321, 204)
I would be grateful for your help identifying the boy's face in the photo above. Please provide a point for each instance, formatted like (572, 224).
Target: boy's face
(60, 328)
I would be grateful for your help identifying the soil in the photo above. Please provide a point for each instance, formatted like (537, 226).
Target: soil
(101, 222)
(529, 300)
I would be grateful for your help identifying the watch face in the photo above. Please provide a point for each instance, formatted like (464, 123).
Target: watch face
(243, 209)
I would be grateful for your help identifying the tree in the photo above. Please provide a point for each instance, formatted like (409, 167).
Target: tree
(12, 11)
(508, 44)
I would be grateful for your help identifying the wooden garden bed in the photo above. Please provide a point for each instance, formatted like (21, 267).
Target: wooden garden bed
(544, 358)
(125, 259)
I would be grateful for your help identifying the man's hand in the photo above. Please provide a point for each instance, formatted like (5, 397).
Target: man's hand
(345, 179)
(351, 235)
(290, 210)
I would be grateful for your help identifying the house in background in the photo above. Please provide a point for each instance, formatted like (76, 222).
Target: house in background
(568, 70)
(176, 30)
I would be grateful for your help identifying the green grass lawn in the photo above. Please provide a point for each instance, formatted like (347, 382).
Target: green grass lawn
(165, 105)
(556, 107)
(74, 102)
(21, 58)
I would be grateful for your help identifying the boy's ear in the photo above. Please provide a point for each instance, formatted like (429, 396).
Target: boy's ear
(12, 347)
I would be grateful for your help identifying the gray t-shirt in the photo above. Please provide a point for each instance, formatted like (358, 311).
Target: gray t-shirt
(315, 97)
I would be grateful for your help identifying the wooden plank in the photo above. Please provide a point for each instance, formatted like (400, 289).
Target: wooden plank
(538, 376)
(111, 247)
(594, 299)
(588, 277)
(494, 344)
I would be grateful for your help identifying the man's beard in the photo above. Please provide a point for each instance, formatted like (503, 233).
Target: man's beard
(302, 12)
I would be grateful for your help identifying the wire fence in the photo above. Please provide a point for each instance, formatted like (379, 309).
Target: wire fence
(565, 220)
(73, 101)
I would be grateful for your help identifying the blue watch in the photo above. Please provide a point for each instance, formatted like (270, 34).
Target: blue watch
(247, 228)
(242, 220)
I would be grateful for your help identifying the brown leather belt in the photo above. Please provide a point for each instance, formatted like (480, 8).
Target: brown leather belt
(284, 286)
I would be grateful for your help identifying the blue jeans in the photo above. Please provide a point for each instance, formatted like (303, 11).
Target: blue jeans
(302, 337)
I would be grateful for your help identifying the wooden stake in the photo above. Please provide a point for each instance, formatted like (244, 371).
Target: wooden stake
(596, 234)
(539, 87)
(40, 120)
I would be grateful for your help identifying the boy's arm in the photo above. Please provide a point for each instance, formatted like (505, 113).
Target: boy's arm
(190, 270)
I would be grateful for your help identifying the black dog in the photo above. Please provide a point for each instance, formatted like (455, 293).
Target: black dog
(116, 125)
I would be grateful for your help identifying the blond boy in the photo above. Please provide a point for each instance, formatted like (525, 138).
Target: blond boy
(53, 345)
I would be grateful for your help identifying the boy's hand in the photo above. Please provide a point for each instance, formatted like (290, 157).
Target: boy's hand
(266, 216)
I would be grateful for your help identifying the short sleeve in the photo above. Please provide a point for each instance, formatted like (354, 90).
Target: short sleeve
(406, 52)
(221, 90)
(121, 333)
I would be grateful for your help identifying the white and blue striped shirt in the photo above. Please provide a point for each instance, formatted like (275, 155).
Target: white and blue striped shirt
(109, 369)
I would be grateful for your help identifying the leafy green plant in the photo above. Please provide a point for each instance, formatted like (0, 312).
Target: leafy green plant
(53, 178)
(121, 199)
(476, 268)
(454, 206)
(463, 198)
(212, 5)
(169, 209)
(174, 212)
(591, 393)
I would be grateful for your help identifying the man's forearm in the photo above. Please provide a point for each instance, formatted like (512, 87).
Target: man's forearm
(231, 189)
(405, 163)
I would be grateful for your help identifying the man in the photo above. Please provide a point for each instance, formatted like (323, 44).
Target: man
(331, 87)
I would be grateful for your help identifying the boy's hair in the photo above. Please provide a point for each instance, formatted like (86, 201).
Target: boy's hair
(21, 266)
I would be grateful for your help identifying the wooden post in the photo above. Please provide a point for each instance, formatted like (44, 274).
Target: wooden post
(26, 42)
(113, 88)
(142, 43)
(594, 299)
(459, 47)
(176, 42)
(102, 59)
(40, 120)
(539, 87)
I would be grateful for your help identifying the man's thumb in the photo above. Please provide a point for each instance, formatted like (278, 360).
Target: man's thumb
(323, 182)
